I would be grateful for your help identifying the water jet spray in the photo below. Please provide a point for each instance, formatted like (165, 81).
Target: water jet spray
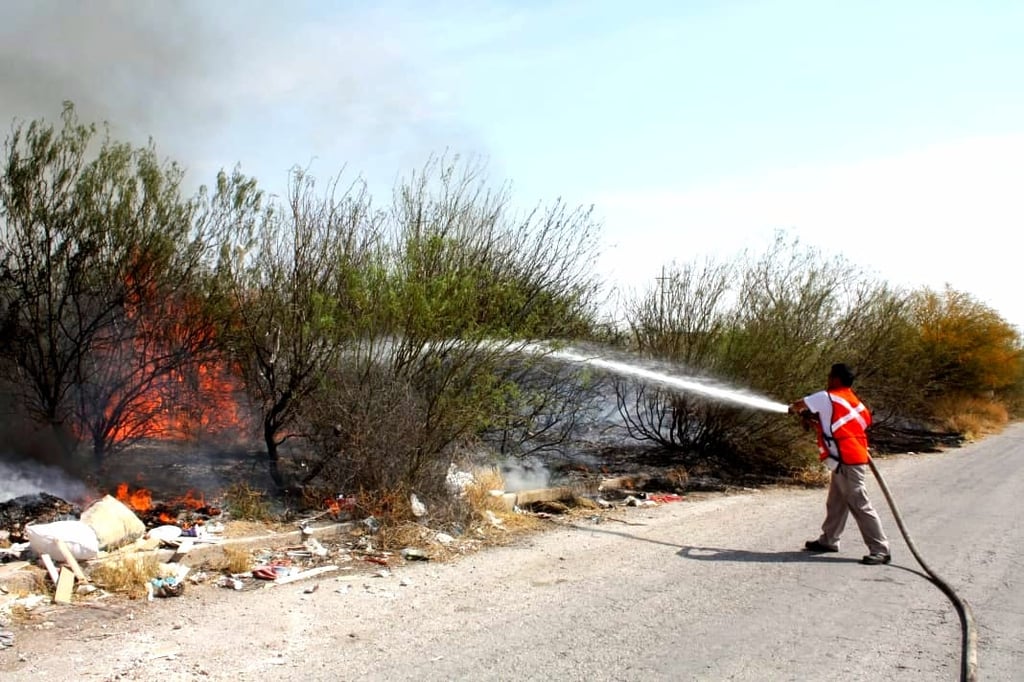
(708, 389)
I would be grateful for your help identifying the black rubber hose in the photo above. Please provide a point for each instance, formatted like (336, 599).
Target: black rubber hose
(969, 637)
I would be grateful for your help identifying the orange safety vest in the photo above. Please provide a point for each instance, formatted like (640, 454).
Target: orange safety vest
(847, 439)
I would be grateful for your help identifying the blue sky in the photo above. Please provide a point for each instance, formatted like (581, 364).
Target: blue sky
(888, 132)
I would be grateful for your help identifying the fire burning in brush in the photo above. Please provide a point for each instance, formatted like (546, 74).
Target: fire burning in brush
(339, 505)
(160, 375)
(185, 510)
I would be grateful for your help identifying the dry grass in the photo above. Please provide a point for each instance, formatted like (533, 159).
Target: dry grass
(18, 613)
(814, 476)
(493, 520)
(128, 575)
(394, 538)
(479, 496)
(398, 536)
(972, 417)
(237, 559)
(244, 529)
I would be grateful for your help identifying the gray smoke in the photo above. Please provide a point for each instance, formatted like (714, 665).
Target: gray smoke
(225, 83)
(26, 477)
(138, 65)
(525, 474)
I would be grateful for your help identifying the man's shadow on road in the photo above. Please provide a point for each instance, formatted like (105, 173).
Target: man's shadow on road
(720, 554)
(748, 556)
(697, 553)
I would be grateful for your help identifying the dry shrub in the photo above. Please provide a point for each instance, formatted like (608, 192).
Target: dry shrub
(247, 503)
(390, 507)
(972, 417)
(129, 574)
(678, 477)
(815, 476)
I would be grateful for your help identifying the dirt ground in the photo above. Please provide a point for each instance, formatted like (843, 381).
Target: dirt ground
(710, 587)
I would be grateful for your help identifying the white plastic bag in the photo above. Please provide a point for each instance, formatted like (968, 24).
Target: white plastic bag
(77, 535)
(165, 533)
(113, 522)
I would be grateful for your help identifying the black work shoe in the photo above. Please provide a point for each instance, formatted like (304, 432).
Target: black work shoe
(815, 546)
(876, 558)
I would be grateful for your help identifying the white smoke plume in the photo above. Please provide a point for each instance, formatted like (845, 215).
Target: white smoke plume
(25, 477)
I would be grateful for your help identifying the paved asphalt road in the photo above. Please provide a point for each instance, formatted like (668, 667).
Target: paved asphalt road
(704, 589)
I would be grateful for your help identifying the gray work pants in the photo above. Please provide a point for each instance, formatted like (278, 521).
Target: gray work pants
(847, 494)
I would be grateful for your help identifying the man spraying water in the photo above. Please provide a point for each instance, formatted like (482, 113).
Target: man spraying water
(840, 420)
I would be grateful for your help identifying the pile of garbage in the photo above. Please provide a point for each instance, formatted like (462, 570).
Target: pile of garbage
(53, 553)
(46, 559)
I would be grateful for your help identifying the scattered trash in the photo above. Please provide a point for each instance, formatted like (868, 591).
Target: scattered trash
(165, 533)
(79, 537)
(413, 554)
(229, 582)
(664, 497)
(493, 518)
(457, 481)
(315, 548)
(302, 575)
(198, 578)
(311, 589)
(419, 509)
(113, 524)
(13, 552)
(24, 510)
(444, 538)
(6, 639)
(372, 524)
(167, 587)
(268, 572)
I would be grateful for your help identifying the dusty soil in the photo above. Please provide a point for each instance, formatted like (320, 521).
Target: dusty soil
(712, 587)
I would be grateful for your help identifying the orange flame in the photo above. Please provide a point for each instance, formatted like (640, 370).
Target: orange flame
(139, 500)
(191, 501)
(200, 397)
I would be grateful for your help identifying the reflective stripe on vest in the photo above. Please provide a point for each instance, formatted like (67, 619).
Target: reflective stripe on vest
(850, 419)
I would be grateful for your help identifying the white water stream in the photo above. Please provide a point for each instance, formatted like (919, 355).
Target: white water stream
(685, 384)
